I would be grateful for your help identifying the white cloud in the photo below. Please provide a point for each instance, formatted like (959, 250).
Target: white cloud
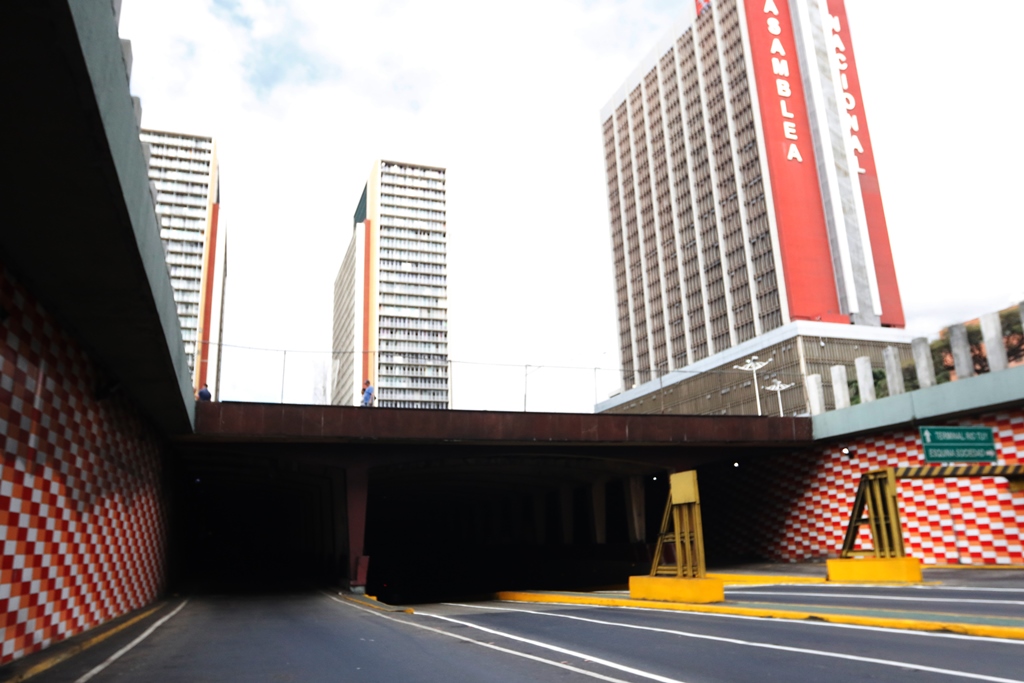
(303, 95)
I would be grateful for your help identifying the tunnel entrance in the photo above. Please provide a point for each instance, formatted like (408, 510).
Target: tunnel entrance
(461, 527)
(423, 505)
(250, 524)
(440, 524)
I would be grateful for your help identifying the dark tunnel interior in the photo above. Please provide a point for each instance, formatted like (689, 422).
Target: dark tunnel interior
(444, 525)
(249, 527)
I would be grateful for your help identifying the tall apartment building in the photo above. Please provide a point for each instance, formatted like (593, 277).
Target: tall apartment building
(390, 295)
(744, 201)
(184, 172)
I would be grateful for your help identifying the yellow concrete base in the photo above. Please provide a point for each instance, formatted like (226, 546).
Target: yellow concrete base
(671, 589)
(872, 569)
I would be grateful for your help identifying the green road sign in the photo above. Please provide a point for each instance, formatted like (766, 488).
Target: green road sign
(958, 444)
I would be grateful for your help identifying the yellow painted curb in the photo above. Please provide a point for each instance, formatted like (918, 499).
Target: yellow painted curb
(676, 589)
(70, 652)
(762, 579)
(1009, 632)
(373, 603)
(872, 569)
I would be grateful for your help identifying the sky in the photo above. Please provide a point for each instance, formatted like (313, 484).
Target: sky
(303, 95)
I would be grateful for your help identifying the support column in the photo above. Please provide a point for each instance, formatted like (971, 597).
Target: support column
(597, 499)
(963, 361)
(893, 371)
(566, 505)
(923, 362)
(340, 524)
(995, 347)
(815, 395)
(356, 490)
(840, 387)
(636, 521)
(865, 379)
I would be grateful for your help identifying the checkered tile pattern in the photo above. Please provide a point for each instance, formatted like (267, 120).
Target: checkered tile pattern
(797, 507)
(82, 521)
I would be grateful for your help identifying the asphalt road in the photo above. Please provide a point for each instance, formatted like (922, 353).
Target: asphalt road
(938, 600)
(322, 637)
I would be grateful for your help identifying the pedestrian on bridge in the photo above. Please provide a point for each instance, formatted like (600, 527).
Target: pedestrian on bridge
(368, 396)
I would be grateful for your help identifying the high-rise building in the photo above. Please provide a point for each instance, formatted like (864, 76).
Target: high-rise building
(184, 173)
(743, 197)
(391, 296)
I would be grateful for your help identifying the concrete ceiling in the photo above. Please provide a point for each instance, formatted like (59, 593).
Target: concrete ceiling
(78, 224)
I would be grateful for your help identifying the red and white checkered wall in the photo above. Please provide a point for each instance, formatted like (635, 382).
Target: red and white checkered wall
(82, 518)
(797, 507)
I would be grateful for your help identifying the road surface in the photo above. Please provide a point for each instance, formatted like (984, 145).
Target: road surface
(325, 637)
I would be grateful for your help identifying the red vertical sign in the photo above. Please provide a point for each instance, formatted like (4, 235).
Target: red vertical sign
(856, 126)
(803, 234)
(206, 288)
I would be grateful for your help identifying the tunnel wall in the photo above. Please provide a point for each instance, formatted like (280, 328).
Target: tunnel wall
(796, 507)
(82, 513)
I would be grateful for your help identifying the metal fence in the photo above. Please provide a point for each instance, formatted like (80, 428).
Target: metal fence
(304, 377)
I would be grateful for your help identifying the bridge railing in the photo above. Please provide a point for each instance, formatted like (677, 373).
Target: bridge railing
(992, 343)
(275, 375)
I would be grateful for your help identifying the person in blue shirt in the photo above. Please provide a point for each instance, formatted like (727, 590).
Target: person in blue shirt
(367, 395)
(204, 393)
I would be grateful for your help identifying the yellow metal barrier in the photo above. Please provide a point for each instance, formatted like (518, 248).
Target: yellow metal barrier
(678, 572)
(681, 531)
(877, 493)
(886, 560)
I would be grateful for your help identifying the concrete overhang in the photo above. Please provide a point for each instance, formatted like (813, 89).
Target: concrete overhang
(990, 392)
(79, 226)
(294, 424)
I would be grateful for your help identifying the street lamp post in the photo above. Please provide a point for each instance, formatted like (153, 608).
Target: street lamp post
(753, 365)
(778, 387)
(526, 384)
(661, 386)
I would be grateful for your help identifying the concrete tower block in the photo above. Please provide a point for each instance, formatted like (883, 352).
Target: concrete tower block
(923, 362)
(963, 362)
(865, 380)
(840, 387)
(815, 395)
(995, 347)
(893, 371)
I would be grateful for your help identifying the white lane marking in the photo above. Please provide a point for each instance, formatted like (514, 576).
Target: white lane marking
(909, 598)
(489, 646)
(117, 655)
(839, 586)
(565, 651)
(736, 641)
(830, 624)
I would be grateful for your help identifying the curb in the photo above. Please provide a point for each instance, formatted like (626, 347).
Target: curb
(1008, 632)
(373, 603)
(1011, 567)
(21, 670)
(763, 579)
(781, 580)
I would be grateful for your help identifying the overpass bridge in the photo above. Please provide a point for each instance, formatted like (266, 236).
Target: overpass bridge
(115, 487)
(433, 500)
